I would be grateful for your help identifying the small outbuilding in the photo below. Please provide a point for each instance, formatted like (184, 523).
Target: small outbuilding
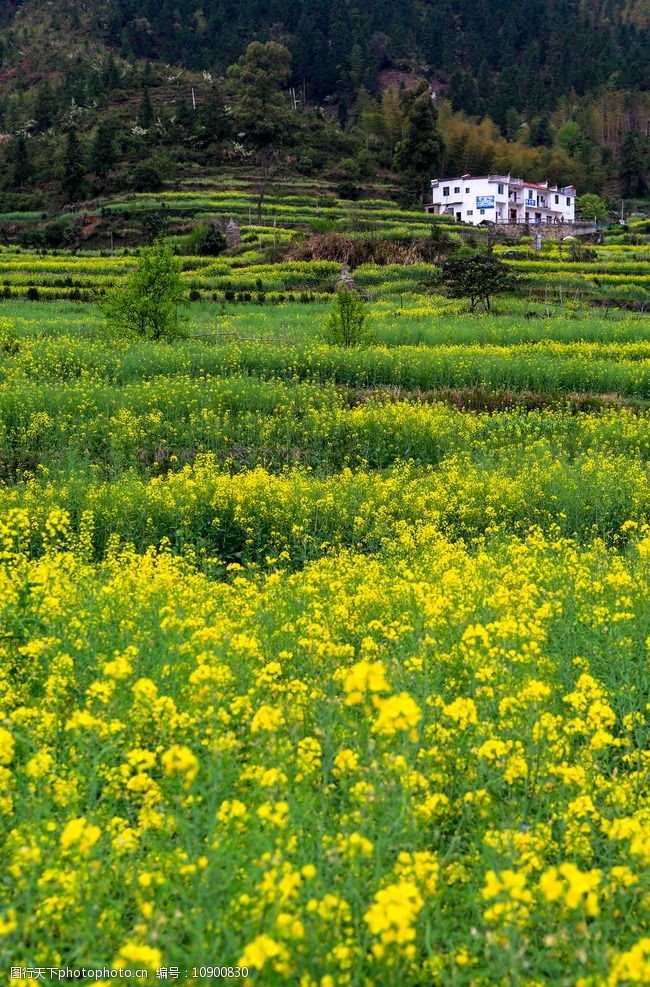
(233, 233)
(346, 280)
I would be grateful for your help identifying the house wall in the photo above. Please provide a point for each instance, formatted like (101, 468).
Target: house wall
(501, 199)
(464, 203)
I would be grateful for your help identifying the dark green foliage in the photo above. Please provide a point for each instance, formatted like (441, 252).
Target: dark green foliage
(61, 233)
(540, 132)
(185, 116)
(154, 224)
(213, 121)
(21, 167)
(73, 167)
(419, 153)
(103, 154)
(146, 178)
(211, 242)
(145, 113)
(55, 234)
(464, 93)
(348, 190)
(32, 240)
(257, 81)
(45, 106)
(523, 64)
(634, 166)
(204, 240)
(548, 48)
(111, 74)
(477, 277)
(139, 36)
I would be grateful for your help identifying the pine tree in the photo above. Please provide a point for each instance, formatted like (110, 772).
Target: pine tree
(419, 153)
(213, 119)
(111, 74)
(634, 164)
(262, 110)
(540, 133)
(45, 106)
(257, 80)
(72, 179)
(145, 113)
(22, 170)
(102, 152)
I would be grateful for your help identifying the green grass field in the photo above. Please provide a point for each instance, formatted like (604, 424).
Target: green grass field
(326, 666)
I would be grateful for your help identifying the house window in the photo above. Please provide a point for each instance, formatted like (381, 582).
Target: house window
(557, 200)
(482, 212)
(467, 191)
(530, 193)
(500, 189)
(568, 201)
(470, 212)
(456, 189)
(445, 191)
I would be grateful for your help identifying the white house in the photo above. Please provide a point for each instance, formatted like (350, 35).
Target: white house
(501, 199)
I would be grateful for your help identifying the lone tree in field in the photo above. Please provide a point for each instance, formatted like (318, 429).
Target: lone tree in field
(146, 302)
(262, 114)
(347, 324)
(477, 277)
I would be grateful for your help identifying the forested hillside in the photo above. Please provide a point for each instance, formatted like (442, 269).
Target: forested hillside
(495, 55)
(557, 90)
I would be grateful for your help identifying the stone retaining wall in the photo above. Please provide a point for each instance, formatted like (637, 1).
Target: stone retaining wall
(548, 231)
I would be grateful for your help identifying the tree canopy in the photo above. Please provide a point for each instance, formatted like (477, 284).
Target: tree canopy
(491, 48)
(419, 153)
(145, 303)
(477, 277)
(256, 80)
(591, 207)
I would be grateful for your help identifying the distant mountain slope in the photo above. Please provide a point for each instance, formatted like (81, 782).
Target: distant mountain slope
(494, 54)
(102, 96)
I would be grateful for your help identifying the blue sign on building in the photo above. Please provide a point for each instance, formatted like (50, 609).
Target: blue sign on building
(530, 202)
(485, 202)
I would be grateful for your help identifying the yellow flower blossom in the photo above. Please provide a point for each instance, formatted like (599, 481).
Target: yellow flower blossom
(364, 677)
(392, 916)
(79, 833)
(179, 759)
(462, 712)
(395, 714)
(262, 949)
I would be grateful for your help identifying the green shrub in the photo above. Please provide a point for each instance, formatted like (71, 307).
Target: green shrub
(146, 302)
(146, 178)
(347, 324)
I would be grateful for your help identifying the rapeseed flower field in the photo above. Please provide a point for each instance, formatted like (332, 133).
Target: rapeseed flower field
(325, 667)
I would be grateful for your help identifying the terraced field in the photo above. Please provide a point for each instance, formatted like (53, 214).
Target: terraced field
(612, 273)
(327, 666)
